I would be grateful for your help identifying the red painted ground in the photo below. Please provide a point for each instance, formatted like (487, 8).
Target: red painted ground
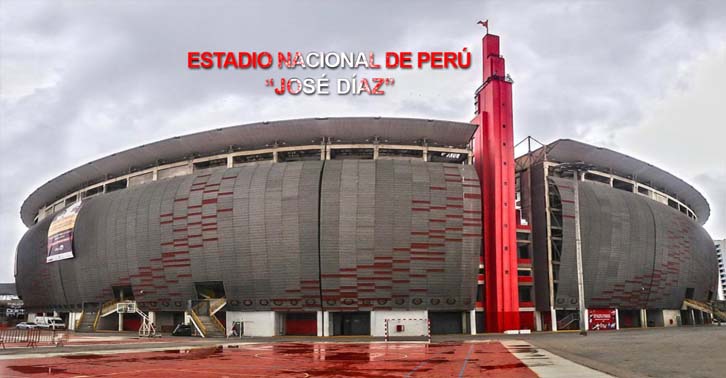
(287, 360)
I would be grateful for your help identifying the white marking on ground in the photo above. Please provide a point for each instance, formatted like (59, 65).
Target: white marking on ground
(549, 365)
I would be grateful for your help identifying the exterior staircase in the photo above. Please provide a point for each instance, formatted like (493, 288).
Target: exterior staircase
(202, 315)
(110, 307)
(704, 307)
(569, 322)
(210, 326)
(89, 318)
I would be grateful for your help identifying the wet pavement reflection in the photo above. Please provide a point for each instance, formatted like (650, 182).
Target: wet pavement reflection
(453, 359)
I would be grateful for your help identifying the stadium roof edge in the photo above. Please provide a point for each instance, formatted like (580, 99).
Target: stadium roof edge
(248, 136)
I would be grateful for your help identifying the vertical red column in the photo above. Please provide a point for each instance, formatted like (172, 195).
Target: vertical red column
(494, 162)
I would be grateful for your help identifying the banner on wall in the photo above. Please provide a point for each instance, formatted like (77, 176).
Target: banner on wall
(601, 319)
(60, 234)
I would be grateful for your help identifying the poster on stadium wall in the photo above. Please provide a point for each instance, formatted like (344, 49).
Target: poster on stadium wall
(601, 319)
(60, 234)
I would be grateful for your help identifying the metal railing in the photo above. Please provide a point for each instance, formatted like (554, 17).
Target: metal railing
(218, 324)
(98, 316)
(33, 337)
(565, 322)
(216, 304)
(108, 308)
(80, 319)
(198, 322)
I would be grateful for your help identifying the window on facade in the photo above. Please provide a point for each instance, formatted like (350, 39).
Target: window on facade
(390, 153)
(524, 273)
(209, 164)
(116, 185)
(447, 157)
(300, 155)
(93, 191)
(589, 176)
(70, 200)
(523, 252)
(672, 203)
(622, 185)
(683, 209)
(245, 159)
(351, 153)
(525, 293)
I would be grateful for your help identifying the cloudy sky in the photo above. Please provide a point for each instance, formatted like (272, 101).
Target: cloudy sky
(80, 80)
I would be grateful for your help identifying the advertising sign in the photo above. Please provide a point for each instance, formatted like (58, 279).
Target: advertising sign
(60, 234)
(601, 319)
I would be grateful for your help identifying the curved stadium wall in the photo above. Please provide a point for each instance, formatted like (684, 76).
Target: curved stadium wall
(637, 253)
(333, 235)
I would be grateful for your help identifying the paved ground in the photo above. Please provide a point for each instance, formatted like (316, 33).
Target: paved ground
(695, 352)
(451, 359)
(663, 352)
(204, 358)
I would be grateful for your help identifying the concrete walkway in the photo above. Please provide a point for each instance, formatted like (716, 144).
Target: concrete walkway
(548, 365)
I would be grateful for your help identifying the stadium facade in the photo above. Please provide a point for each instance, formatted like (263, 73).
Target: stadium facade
(331, 226)
(721, 254)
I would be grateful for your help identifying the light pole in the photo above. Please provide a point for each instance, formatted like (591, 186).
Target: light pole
(576, 168)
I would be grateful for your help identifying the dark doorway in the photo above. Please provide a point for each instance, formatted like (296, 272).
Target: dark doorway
(443, 323)
(301, 323)
(351, 323)
(123, 293)
(689, 292)
(209, 289)
(655, 318)
(629, 318)
(480, 322)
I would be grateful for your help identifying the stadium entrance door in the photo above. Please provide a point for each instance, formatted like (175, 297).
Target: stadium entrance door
(351, 323)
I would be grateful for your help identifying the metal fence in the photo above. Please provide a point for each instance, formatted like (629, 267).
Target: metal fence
(33, 337)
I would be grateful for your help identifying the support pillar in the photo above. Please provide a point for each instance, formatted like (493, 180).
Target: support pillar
(472, 322)
(617, 319)
(494, 162)
(326, 323)
(120, 321)
(320, 323)
(643, 318)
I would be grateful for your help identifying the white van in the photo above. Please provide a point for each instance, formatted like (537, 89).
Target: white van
(50, 322)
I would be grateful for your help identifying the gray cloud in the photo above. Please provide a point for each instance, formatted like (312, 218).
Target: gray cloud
(80, 80)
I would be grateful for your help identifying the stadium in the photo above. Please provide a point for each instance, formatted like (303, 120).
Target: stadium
(366, 226)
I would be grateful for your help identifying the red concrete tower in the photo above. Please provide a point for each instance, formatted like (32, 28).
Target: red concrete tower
(494, 162)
